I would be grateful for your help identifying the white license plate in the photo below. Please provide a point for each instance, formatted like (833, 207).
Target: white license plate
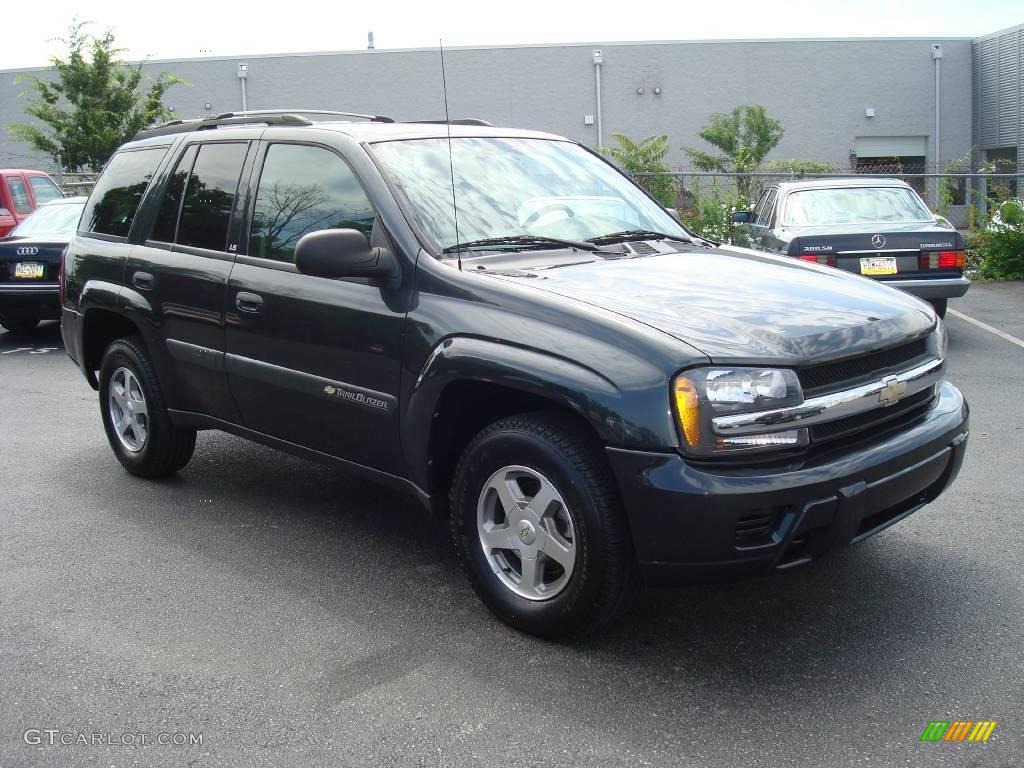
(28, 269)
(878, 265)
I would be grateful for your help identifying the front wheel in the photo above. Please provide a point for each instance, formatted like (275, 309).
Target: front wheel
(134, 416)
(538, 522)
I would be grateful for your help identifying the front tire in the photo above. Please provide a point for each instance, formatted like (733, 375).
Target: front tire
(135, 418)
(537, 520)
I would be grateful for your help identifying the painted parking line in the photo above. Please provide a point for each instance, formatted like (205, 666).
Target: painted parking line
(985, 326)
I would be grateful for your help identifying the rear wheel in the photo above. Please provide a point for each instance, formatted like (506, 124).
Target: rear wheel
(538, 522)
(939, 305)
(134, 415)
(19, 324)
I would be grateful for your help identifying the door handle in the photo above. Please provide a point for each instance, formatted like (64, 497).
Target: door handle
(143, 281)
(249, 302)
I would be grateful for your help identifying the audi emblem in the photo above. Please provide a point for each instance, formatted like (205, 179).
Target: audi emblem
(878, 241)
(28, 250)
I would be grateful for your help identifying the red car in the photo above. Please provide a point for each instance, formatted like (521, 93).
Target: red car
(21, 192)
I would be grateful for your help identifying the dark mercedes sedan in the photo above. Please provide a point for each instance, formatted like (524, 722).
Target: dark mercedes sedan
(879, 228)
(30, 263)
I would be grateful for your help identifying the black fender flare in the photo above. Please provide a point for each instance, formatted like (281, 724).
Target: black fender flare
(563, 382)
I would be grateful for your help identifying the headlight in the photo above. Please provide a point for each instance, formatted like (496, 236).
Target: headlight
(703, 393)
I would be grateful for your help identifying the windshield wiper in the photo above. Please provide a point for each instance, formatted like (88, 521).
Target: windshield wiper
(638, 234)
(521, 241)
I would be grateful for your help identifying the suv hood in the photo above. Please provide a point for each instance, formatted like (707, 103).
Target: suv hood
(743, 306)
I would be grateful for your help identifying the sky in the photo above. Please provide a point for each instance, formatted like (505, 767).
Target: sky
(190, 29)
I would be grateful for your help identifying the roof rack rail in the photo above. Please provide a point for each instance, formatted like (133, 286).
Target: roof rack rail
(268, 116)
(260, 112)
(203, 123)
(456, 121)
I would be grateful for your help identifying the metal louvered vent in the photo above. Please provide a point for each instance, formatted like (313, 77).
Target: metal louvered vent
(641, 248)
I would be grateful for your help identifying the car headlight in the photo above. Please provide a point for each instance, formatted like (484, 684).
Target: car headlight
(703, 393)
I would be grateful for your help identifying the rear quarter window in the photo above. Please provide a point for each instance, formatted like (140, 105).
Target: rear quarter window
(44, 189)
(115, 200)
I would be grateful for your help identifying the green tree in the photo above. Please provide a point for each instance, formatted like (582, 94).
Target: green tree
(645, 156)
(95, 103)
(743, 137)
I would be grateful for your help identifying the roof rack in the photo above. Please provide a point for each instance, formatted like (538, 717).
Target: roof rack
(267, 116)
(271, 112)
(456, 121)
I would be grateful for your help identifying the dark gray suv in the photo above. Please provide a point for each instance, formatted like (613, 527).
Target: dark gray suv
(503, 325)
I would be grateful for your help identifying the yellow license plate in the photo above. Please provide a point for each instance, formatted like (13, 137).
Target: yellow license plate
(878, 265)
(28, 269)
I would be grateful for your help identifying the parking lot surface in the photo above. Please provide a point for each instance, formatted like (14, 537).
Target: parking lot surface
(293, 616)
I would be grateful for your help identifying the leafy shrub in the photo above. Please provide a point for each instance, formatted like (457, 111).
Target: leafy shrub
(999, 248)
(709, 213)
(645, 156)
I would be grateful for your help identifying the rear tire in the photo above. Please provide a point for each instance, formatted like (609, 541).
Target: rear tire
(589, 576)
(135, 417)
(19, 324)
(939, 305)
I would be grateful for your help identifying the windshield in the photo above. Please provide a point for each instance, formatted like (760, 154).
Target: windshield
(516, 187)
(59, 219)
(861, 205)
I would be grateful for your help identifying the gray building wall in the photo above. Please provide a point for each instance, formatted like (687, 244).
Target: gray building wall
(818, 89)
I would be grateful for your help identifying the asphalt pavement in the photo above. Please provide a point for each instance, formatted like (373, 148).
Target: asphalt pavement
(285, 614)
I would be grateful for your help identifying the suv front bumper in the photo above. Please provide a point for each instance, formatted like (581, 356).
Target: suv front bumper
(698, 522)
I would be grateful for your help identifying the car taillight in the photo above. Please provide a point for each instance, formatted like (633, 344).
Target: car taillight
(819, 258)
(942, 260)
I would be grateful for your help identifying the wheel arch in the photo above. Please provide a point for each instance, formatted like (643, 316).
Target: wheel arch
(100, 327)
(468, 383)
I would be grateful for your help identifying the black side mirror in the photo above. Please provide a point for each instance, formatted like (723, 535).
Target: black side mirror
(743, 217)
(342, 253)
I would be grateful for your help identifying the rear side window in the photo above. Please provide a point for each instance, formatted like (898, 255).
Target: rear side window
(119, 190)
(304, 189)
(166, 226)
(210, 195)
(764, 215)
(44, 189)
(19, 195)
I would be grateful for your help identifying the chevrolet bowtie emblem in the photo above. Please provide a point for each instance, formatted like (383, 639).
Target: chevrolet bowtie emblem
(892, 391)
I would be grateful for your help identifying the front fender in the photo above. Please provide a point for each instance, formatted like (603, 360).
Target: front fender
(620, 417)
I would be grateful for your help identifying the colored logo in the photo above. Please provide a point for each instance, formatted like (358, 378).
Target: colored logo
(958, 730)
